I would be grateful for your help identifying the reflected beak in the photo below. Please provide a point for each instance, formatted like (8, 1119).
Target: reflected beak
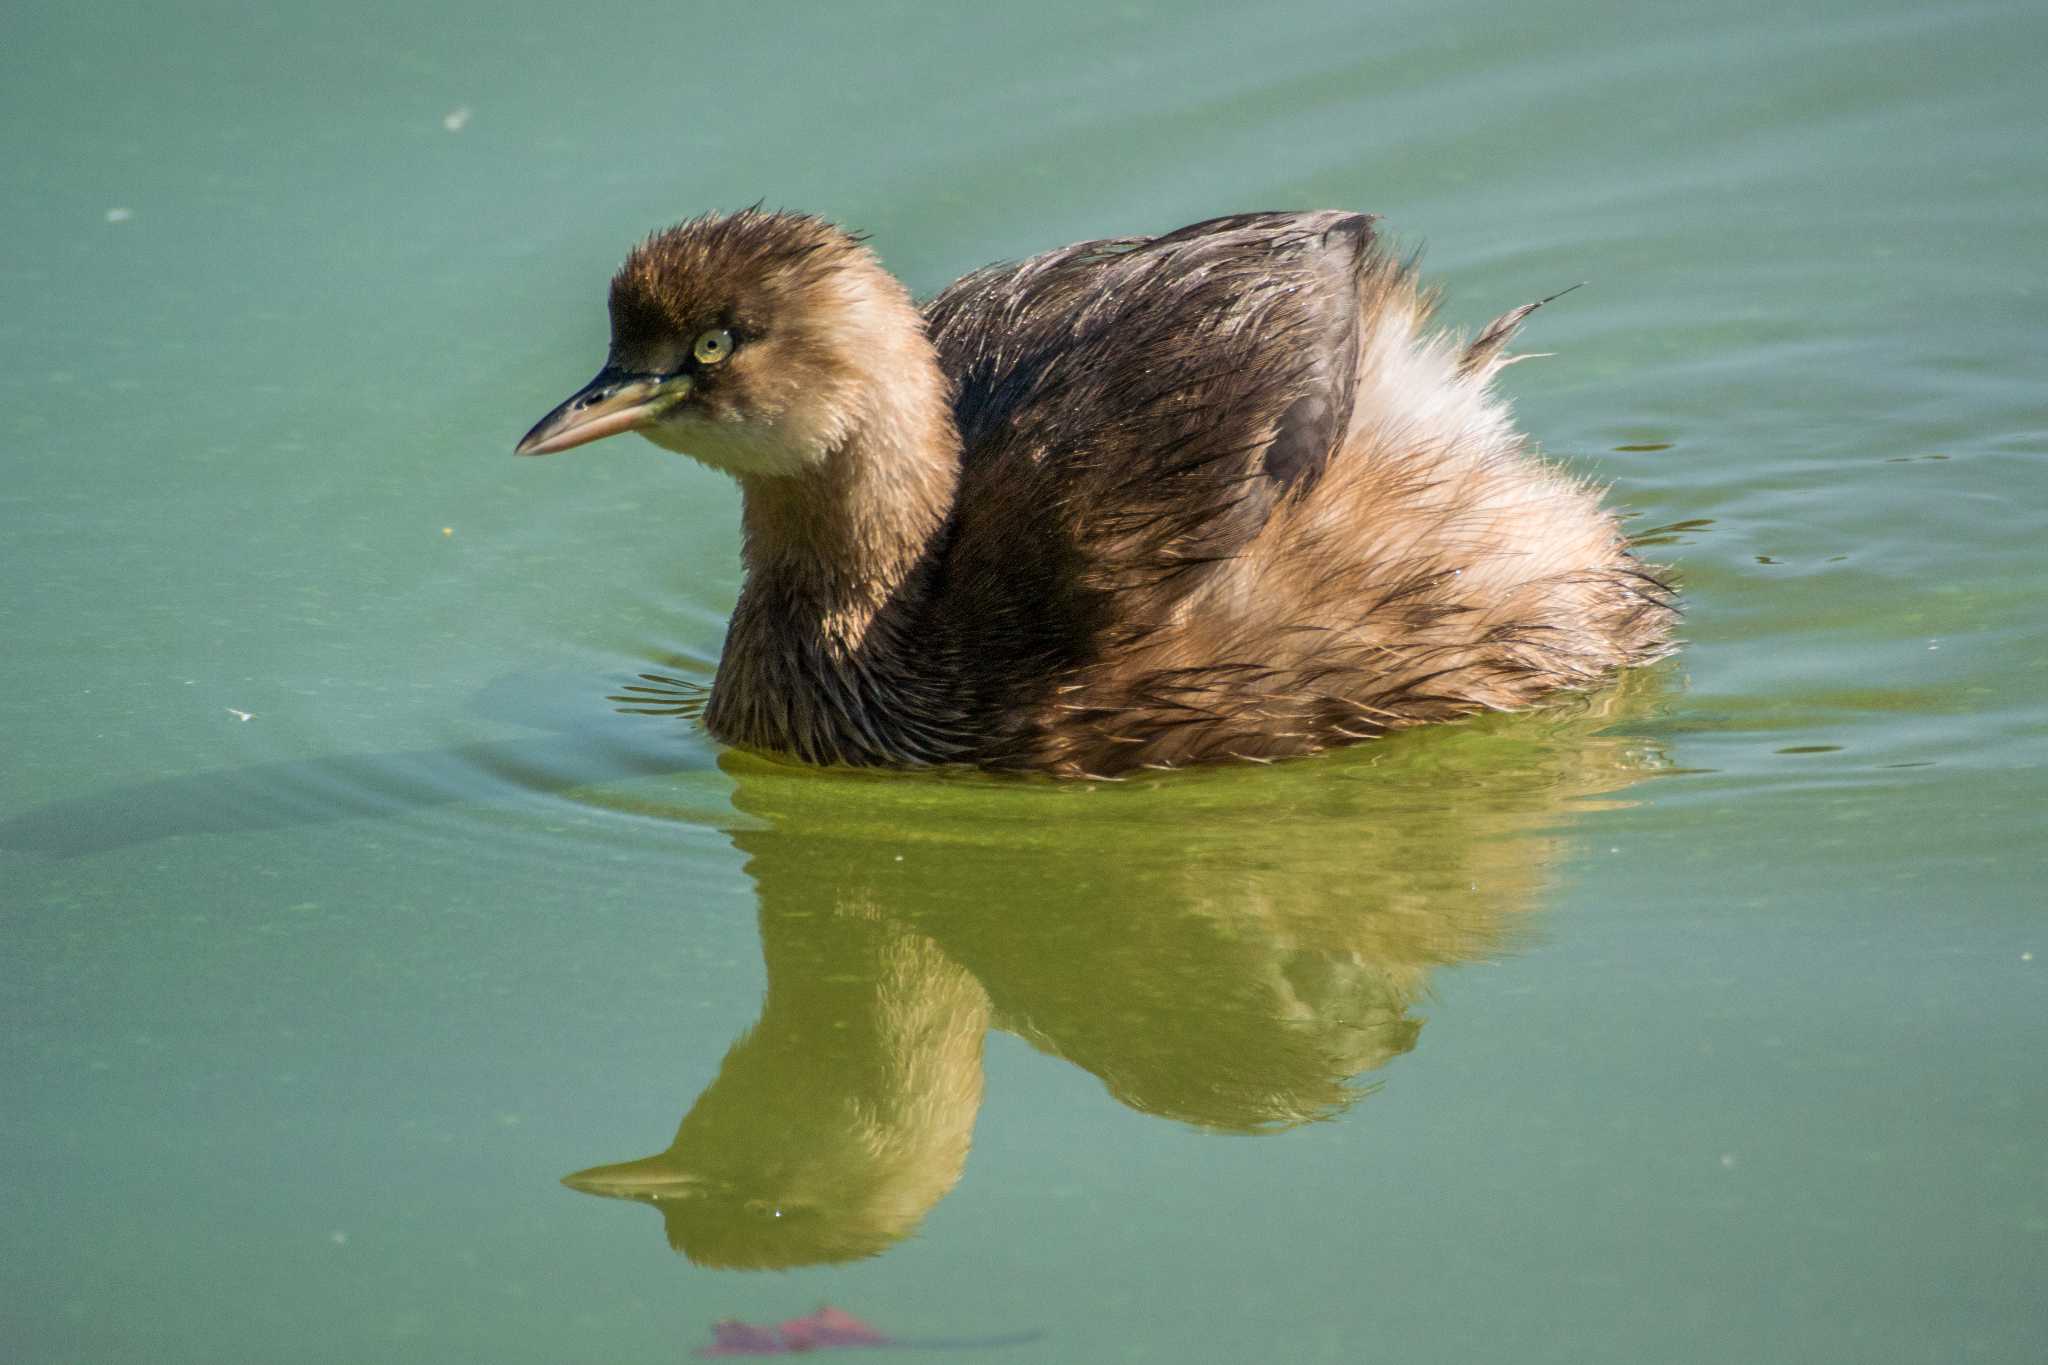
(651, 1180)
(615, 401)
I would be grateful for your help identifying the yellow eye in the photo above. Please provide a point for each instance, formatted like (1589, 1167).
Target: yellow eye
(712, 346)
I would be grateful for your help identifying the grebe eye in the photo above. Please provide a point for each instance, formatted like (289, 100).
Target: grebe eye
(712, 346)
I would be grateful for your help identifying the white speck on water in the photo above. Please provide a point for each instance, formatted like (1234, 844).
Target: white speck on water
(456, 119)
(2026, 957)
(241, 715)
(119, 215)
(1727, 1161)
(338, 1237)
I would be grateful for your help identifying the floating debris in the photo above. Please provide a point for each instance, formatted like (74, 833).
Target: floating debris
(823, 1330)
(456, 119)
(119, 215)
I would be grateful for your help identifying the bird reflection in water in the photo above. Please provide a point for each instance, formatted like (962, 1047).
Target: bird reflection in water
(1232, 950)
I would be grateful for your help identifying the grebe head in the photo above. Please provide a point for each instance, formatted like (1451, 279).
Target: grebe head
(754, 342)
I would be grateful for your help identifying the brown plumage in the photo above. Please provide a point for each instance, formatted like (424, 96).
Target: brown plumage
(1132, 503)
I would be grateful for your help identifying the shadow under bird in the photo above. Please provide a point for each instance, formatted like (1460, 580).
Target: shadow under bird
(1137, 502)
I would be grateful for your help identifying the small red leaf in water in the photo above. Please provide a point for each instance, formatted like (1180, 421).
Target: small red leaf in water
(819, 1331)
(825, 1329)
(829, 1326)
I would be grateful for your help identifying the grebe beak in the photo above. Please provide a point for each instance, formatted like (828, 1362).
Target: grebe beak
(615, 401)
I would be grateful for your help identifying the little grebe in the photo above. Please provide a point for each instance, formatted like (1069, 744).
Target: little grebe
(1138, 502)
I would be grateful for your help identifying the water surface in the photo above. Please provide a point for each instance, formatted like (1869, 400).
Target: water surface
(346, 914)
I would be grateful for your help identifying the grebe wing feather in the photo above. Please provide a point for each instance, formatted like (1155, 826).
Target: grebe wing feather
(1148, 402)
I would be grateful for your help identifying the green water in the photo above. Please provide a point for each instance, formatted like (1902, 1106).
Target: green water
(345, 915)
